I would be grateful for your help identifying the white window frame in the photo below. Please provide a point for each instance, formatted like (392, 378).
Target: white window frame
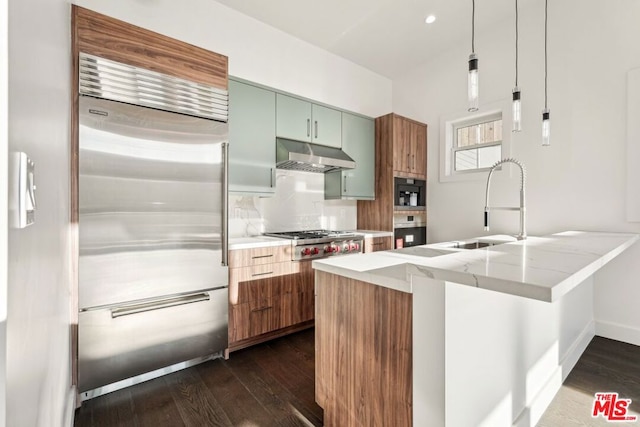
(451, 122)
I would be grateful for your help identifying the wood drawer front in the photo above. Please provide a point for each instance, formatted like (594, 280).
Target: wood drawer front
(252, 318)
(259, 256)
(263, 285)
(374, 244)
(257, 272)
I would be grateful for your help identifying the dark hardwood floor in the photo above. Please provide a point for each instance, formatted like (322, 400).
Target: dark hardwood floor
(605, 366)
(272, 385)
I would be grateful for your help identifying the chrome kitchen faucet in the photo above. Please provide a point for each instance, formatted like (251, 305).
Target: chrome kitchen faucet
(523, 229)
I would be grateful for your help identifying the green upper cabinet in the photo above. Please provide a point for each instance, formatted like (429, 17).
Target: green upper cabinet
(358, 141)
(304, 121)
(327, 126)
(252, 139)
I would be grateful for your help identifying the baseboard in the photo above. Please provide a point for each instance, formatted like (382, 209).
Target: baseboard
(70, 407)
(532, 413)
(618, 332)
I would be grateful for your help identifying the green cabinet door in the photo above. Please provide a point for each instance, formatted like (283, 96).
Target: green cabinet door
(293, 118)
(252, 139)
(327, 126)
(304, 121)
(358, 141)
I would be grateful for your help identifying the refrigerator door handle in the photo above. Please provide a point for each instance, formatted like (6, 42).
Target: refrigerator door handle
(225, 204)
(157, 305)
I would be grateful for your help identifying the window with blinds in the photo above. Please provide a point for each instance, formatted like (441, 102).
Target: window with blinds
(477, 145)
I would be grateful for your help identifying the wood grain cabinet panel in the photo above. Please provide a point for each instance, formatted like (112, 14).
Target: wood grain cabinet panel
(401, 150)
(120, 41)
(374, 244)
(257, 256)
(363, 353)
(268, 299)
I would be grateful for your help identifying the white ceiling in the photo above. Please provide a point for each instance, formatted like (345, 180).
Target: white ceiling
(385, 36)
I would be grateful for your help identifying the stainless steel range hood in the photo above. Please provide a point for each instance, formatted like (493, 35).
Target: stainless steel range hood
(303, 156)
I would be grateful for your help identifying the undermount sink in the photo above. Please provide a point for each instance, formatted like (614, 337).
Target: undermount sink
(469, 245)
(475, 243)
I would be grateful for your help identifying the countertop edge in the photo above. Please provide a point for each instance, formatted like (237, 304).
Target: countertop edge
(391, 277)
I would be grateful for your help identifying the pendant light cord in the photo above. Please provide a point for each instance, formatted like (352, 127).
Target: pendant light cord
(516, 43)
(473, 26)
(545, 51)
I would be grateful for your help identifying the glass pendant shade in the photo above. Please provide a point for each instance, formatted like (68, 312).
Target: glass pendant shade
(516, 110)
(473, 82)
(546, 128)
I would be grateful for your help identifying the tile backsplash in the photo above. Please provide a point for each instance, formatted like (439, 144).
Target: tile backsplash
(298, 204)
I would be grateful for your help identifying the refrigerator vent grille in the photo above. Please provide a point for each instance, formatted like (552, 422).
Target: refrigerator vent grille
(103, 78)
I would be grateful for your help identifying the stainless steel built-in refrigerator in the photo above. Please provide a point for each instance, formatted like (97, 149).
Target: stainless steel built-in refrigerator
(152, 223)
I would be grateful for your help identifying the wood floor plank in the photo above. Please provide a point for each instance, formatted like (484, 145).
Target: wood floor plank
(304, 362)
(153, 404)
(284, 369)
(272, 384)
(280, 402)
(605, 366)
(196, 404)
(238, 402)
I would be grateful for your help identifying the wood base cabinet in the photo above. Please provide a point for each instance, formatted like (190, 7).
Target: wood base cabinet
(268, 299)
(363, 353)
(374, 244)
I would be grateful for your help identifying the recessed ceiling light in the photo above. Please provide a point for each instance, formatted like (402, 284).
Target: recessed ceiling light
(430, 19)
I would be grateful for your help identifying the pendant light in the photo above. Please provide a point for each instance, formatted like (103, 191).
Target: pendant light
(546, 124)
(515, 93)
(472, 87)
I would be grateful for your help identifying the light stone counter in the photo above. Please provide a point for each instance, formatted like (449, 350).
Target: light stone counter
(367, 234)
(542, 268)
(256, 242)
(476, 344)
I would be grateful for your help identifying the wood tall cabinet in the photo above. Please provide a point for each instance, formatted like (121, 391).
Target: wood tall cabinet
(401, 150)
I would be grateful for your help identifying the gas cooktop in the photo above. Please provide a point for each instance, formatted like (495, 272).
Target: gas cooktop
(311, 234)
(312, 244)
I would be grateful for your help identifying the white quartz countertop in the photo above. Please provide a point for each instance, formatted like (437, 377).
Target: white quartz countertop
(373, 233)
(256, 242)
(542, 268)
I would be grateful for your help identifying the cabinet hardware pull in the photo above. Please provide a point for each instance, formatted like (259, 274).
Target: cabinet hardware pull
(261, 274)
(273, 177)
(308, 127)
(261, 256)
(225, 204)
(157, 305)
(409, 161)
(377, 243)
(262, 309)
(316, 124)
(345, 184)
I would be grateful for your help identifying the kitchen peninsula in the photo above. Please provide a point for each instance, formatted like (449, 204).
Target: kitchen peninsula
(438, 336)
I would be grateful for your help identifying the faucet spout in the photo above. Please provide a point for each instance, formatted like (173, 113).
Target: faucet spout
(522, 208)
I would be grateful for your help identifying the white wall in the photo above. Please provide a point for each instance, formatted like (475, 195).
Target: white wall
(38, 378)
(258, 52)
(298, 204)
(579, 181)
(4, 69)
